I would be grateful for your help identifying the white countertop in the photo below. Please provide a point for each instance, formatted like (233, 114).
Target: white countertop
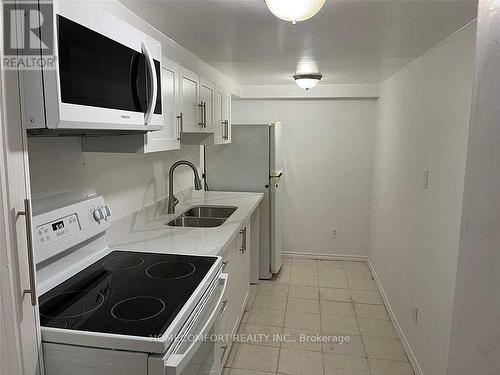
(145, 230)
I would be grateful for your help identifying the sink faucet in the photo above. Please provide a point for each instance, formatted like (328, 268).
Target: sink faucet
(172, 200)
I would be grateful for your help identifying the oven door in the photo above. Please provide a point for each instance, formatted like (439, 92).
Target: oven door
(108, 74)
(196, 351)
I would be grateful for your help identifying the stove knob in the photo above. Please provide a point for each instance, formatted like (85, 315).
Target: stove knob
(107, 211)
(98, 215)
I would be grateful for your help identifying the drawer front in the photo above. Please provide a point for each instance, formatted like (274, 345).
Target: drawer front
(77, 360)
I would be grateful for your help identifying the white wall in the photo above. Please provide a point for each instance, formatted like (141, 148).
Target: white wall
(423, 122)
(475, 341)
(328, 146)
(127, 181)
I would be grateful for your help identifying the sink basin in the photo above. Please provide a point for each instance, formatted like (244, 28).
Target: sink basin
(198, 222)
(210, 211)
(203, 217)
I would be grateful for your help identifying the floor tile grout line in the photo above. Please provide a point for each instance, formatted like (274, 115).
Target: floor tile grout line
(283, 325)
(320, 324)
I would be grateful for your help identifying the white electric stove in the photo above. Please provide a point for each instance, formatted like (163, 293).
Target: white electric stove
(106, 311)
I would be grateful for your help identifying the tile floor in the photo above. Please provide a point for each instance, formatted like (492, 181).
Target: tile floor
(310, 297)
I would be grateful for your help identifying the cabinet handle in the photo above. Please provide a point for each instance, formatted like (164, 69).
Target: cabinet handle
(201, 114)
(204, 114)
(224, 305)
(224, 349)
(31, 258)
(223, 130)
(243, 240)
(226, 130)
(181, 126)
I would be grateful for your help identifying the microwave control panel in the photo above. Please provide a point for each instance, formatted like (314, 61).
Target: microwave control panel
(58, 229)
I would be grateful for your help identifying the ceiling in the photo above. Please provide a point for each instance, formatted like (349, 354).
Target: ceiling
(353, 41)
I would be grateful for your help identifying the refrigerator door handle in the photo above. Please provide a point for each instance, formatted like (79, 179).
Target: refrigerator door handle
(278, 176)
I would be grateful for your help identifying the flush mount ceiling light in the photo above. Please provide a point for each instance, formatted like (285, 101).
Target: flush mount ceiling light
(294, 10)
(307, 81)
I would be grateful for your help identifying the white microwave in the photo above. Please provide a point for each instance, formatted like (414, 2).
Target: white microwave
(106, 77)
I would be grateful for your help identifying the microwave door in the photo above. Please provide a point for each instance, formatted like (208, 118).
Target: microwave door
(94, 70)
(146, 86)
(108, 84)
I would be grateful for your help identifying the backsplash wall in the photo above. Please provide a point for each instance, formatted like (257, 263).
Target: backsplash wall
(127, 181)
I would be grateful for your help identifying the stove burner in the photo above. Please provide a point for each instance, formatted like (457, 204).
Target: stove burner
(138, 308)
(71, 304)
(123, 262)
(170, 270)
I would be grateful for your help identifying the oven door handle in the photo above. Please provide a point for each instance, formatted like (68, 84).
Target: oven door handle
(177, 362)
(152, 87)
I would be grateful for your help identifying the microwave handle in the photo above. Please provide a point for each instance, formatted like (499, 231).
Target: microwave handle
(179, 361)
(153, 87)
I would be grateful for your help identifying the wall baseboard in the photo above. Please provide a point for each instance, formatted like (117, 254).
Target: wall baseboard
(402, 337)
(352, 258)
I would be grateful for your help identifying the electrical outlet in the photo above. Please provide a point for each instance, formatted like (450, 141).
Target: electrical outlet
(415, 313)
(335, 232)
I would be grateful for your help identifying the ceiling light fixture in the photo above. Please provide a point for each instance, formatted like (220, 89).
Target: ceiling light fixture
(294, 10)
(307, 81)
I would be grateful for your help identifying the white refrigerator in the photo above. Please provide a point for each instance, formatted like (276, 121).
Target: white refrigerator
(253, 163)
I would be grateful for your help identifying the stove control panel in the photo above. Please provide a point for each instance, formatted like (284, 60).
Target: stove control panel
(61, 229)
(57, 230)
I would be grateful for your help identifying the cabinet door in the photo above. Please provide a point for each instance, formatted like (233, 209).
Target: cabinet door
(169, 137)
(219, 125)
(232, 298)
(189, 93)
(245, 259)
(19, 316)
(226, 114)
(207, 100)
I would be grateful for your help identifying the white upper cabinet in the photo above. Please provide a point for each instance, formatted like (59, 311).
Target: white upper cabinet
(189, 104)
(226, 114)
(218, 122)
(207, 95)
(196, 102)
(222, 116)
(168, 138)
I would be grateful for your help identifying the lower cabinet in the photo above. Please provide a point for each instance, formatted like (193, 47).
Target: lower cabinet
(236, 260)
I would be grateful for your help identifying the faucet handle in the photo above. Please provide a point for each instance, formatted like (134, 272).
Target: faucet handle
(172, 202)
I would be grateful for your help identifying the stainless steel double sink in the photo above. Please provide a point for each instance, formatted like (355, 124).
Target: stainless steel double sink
(203, 217)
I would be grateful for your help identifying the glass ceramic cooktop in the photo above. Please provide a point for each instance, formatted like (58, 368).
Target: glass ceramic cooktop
(128, 293)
